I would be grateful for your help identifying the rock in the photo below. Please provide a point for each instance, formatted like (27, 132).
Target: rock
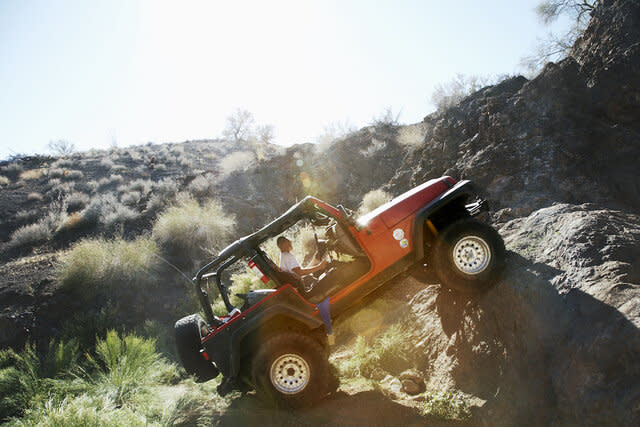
(411, 387)
(392, 386)
(378, 374)
(555, 340)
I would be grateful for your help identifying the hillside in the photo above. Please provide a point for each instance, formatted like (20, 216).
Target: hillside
(555, 342)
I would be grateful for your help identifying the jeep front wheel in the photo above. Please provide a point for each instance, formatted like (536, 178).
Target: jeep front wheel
(291, 370)
(469, 256)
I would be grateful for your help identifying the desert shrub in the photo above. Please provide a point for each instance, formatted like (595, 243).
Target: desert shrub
(76, 201)
(451, 93)
(32, 174)
(92, 186)
(124, 365)
(188, 233)
(444, 405)
(97, 207)
(56, 173)
(202, 186)
(163, 193)
(72, 175)
(58, 188)
(389, 352)
(63, 163)
(386, 119)
(71, 221)
(118, 168)
(119, 214)
(131, 198)
(12, 170)
(99, 266)
(372, 200)
(83, 411)
(34, 197)
(32, 234)
(142, 186)
(19, 381)
(113, 180)
(238, 161)
(114, 384)
(4, 180)
(106, 163)
(23, 375)
(106, 210)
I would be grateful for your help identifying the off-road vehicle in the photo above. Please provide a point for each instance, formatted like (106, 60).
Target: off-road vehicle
(277, 340)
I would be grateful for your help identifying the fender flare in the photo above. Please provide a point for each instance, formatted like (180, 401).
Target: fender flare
(464, 189)
(311, 322)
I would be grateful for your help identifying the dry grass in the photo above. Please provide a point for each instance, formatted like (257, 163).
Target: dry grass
(34, 197)
(32, 174)
(4, 180)
(190, 233)
(372, 200)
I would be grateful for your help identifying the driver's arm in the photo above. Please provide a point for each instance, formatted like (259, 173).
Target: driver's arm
(309, 270)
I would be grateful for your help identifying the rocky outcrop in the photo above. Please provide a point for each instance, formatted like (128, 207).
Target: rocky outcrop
(555, 341)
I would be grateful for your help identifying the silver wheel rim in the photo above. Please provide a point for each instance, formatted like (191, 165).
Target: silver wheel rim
(471, 255)
(290, 373)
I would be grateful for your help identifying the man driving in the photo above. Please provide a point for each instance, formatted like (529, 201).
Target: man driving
(290, 264)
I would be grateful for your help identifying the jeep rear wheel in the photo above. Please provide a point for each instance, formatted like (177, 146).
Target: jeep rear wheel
(188, 331)
(469, 256)
(291, 370)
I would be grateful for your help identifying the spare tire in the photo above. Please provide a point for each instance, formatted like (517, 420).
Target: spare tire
(188, 342)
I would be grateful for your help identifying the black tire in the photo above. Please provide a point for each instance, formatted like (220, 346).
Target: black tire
(188, 336)
(291, 370)
(469, 256)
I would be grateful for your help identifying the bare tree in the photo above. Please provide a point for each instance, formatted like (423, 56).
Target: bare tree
(239, 126)
(265, 133)
(558, 46)
(61, 147)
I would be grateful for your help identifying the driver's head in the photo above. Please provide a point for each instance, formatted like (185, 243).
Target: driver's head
(284, 244)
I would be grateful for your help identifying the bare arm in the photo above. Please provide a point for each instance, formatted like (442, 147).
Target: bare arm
(309, 270)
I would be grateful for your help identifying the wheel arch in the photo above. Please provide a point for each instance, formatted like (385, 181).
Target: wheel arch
(446, 208)
(271, 321)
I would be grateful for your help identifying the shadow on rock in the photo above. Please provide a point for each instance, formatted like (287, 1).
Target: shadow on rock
(535, 355)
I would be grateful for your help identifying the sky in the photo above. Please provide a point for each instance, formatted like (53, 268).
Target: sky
(124, 72)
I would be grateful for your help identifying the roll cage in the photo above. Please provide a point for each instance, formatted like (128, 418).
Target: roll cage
(249, 246)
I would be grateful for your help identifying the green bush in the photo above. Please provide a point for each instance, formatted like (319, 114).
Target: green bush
(389, 352)
(444, 405)
(116, 384)
(189, 233)
(25, 378)
(123, 366)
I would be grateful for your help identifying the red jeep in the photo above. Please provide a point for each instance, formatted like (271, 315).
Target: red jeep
(277, 340)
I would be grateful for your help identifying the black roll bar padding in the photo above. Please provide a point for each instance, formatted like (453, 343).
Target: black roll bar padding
(221, 287)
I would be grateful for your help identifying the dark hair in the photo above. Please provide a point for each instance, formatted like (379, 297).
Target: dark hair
(280, 241)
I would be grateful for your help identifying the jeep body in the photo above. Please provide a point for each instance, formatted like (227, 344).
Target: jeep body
(380, 245)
